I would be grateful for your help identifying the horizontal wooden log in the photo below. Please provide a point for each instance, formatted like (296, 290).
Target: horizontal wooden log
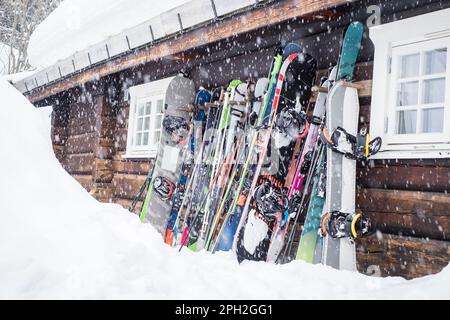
(108, 125)
(361, 86)
(405, 177)
(103, 192)
(243, 23)
(59, 135)
(103, 171)
(364, 91)
(81, 143)
(82, 119)
(79, 163)
(82, 108)
(408, 257)
(422, 214)
(84, 180)
(105, 148)
(363, 71)
(127, 185)
(82, 125)
(140, 167)
(443, 162)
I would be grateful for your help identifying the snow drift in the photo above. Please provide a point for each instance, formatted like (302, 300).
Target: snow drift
(81, 23)
(56, 241)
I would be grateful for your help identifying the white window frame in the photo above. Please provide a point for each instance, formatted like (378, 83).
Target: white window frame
(412, 35)
(148, 92)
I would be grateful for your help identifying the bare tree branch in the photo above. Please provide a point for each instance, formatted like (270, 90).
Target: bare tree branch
(18, 20)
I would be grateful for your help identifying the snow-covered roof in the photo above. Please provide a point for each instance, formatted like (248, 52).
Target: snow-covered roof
(16, 77)
(78, 24)
(81, 33)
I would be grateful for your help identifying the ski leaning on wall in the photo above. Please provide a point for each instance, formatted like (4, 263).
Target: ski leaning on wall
(291, 130)
(264, 91)
(230, 222)
(255, 228)
(310, 172)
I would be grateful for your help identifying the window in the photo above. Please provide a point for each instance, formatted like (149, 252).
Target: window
(411, 97)
(145, 118)
(418, 107)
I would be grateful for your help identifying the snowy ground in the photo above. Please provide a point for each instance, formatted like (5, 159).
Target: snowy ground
(56, 241)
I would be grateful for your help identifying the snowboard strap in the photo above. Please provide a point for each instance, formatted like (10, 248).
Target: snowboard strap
(337, 224)
(178, 128)
(353, 147)
(164, 187)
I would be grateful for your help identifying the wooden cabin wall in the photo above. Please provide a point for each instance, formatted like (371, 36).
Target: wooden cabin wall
(83, 134)
(79, 146)
(407, 200)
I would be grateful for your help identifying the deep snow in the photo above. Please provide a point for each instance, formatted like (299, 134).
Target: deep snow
(56, 241)
(81, 23)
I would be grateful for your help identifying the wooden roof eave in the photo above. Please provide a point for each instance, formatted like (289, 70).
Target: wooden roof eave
(245, 22)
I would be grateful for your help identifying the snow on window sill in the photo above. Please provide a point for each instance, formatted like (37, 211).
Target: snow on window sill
(412, 154)
(146, 155)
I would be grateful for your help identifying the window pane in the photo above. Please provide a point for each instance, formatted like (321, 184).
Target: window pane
(147, 123)
(148, 107)
(409, 65)
(156, 136)
(436, 61)
(434, 91)
(159, 106)
(158, 123)
(145, 139)
(433, 120)
(138, 138)
(406, 122)
(140, 109)
(139, 124)
(407, 94)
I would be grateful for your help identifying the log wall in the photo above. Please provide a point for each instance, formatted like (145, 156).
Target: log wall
(407, 200)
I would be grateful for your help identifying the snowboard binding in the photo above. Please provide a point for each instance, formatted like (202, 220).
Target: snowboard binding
(290, 125)
(270, 202)
(178, 128)
(164, 187)
(356, 148)
(339, 225)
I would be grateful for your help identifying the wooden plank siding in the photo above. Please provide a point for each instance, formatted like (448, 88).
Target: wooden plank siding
(406, 200)
(390, 255)
(409, 213)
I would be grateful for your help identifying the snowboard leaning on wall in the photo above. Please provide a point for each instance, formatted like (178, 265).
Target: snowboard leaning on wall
(173, 148)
